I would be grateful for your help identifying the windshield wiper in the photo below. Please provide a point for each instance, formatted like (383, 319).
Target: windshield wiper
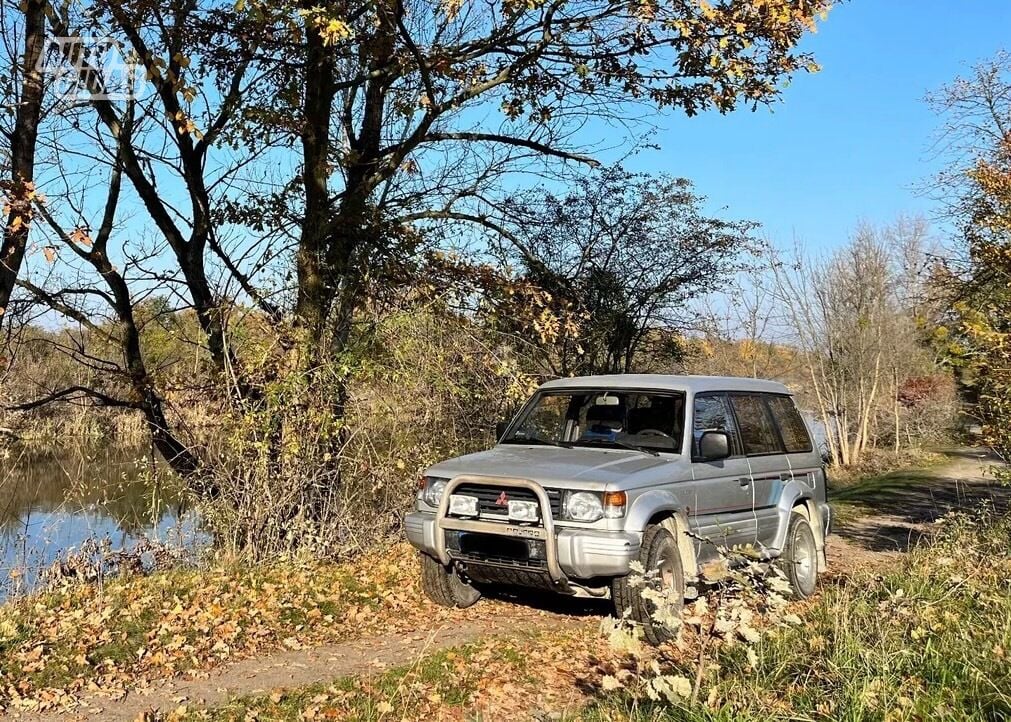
(622, 444)
(538, 440)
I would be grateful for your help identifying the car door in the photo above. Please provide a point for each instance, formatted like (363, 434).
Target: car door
(721, 510)
(766, 455)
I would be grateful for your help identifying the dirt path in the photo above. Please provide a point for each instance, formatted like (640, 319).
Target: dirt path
(290, 669)
(903, 509)
(902, 512)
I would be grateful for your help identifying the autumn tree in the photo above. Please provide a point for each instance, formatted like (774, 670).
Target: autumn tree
(290, 163)
(853, 318)
(976, 281)
(621, 256)
(23, 37)
(392, 88)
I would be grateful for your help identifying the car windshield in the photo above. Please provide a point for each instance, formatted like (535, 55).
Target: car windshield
(618, 418)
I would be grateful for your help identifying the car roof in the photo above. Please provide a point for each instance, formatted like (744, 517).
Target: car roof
(690, 384)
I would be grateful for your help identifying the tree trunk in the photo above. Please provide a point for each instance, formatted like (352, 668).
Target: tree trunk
(867, 406)
(20, 187)
(314, 287)
(827, 422)
(895, 407)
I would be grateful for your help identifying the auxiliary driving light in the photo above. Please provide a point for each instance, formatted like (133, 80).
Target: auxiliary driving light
(523, 511)
(462, 505)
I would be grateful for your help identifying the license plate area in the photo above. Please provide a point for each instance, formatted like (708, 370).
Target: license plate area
(493, 547)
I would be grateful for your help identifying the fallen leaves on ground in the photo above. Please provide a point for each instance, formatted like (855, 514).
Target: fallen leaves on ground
(56, 647)
(531, 676)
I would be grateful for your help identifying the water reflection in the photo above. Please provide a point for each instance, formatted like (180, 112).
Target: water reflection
(52, 501)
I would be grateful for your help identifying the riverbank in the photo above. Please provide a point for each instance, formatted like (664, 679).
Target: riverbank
(118, 638)
(59, 503)
(359, 641)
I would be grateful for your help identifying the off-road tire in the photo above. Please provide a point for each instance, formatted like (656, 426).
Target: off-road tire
(658, 544)
(799, 560)
(444, 586)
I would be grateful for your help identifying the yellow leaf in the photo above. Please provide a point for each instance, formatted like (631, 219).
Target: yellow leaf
(384, 707)
(81, 236)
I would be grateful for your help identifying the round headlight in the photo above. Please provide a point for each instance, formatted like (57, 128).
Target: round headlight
(433, 491)
(583, 506)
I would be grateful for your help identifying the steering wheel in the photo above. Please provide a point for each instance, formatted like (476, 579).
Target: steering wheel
(653, 432)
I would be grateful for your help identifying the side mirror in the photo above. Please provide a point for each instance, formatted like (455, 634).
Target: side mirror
(714, 445)
(500, 429)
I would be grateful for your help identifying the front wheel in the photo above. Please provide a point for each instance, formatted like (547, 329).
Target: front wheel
(665, 580)
(799, 560)
(444, 586)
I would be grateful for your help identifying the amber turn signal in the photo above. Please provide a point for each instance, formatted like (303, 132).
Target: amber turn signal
(615, 498)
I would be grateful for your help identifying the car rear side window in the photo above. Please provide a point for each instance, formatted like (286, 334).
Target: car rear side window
(713, 413)
(758, 433)
(791, 425)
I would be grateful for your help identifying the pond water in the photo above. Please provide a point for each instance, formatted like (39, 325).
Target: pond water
(52, 502)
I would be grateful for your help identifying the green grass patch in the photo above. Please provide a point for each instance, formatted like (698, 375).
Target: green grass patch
(882, 492)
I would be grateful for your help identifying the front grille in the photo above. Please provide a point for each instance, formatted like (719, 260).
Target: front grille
(487, 497)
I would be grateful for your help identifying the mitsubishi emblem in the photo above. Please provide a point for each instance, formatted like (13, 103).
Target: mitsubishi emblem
(502, 500)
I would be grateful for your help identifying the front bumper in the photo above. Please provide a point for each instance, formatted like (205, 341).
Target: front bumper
(580, 553)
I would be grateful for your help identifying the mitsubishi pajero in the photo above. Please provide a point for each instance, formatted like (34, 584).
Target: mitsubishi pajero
(597, 472)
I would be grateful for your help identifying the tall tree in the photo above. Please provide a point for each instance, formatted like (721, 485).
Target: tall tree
(391, 89)
(976, 182)
(853, 318)
(24, 98)
(404, 115)
(623, 256)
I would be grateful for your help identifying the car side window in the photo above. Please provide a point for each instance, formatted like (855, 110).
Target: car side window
(758, 433)
(791, 424)
(712, 412)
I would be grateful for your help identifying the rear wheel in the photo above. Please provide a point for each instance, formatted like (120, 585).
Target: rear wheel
(799, 560)
(658, 554)
(444, 586)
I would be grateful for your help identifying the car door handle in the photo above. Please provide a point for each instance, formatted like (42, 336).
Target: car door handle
(744, 481)
(786, 476)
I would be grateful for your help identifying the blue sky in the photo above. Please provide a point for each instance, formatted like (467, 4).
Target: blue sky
(850, 143)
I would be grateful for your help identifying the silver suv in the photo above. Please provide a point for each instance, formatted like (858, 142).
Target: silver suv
(600, 471)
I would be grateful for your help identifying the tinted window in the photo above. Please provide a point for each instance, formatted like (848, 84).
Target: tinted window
(712, 413)
(791, 424)
(758, 433)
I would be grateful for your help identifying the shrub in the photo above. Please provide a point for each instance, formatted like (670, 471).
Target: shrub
(927, 639)
(297, 476)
